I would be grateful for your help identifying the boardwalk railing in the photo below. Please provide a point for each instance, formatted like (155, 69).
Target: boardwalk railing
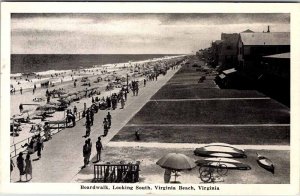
(116, 173)
(55, 128)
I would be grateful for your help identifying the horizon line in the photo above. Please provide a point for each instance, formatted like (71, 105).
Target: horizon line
(100, 54)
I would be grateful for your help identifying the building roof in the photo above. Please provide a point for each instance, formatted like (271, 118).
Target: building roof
(279, 56)
(222, 76)
(229, 71)
(259, 39)
(230, 37)
(248, 31)
(218, 42)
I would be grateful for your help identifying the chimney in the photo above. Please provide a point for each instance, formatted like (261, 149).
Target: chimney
(268, 29)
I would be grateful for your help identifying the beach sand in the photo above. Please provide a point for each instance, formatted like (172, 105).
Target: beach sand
(65, 79)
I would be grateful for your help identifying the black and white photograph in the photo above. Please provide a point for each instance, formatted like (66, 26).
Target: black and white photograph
(149, 100)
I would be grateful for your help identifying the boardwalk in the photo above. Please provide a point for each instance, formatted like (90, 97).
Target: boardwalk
(62, 157)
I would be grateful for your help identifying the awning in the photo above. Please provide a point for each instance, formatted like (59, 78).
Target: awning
(229, 71)
(279, 56)
(222, 76)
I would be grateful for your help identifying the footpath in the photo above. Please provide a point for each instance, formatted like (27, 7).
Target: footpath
(62, 156)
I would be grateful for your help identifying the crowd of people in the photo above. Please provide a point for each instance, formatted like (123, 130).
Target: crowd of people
(24, 166)
(109, 103)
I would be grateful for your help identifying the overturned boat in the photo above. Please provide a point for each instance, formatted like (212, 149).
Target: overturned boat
(265, 163)
(223, 163)
(220, 150)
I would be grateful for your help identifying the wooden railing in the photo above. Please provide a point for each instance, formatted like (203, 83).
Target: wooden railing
(116, 173)
(55, 128)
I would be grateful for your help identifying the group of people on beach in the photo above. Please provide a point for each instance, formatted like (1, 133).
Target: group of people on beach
(111, 102)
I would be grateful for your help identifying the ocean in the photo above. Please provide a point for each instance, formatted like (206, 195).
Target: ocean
(25, 63)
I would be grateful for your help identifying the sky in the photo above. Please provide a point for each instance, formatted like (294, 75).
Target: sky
(131, 33)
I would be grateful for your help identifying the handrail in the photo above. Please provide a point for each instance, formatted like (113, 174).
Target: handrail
(14, 152)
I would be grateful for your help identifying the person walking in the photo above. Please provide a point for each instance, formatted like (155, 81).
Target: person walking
(99, 147)
(73, 120)
(12, 165)
(39, 146)
(108, 117)
(105, 126)
(84, 106)
(108, 103)
(87, 117)
(89, 149)
(92, 117)
(133, 87)
(88, 129)
(75, 110)
(21, 108)
(47, 132)
(20, 165)
(114, 102)
(85, 152)
(125, 94)
(122, 102)
(28, 167)
(21, 90)
(136, 89)
(145, 82)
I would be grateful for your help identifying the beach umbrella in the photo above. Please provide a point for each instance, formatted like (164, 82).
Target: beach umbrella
(176, 161)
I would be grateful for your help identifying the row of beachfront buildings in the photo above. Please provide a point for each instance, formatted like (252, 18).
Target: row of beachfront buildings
(252, 60)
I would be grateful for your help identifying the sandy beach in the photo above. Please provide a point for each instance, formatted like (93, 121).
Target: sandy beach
(64, 79)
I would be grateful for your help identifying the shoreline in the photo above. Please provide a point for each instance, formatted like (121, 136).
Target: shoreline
(46, 75)
(120, 64)
(92, 73)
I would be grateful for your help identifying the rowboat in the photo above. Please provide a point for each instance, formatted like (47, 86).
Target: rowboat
(220, 150)
(223, 163)
(265, 163)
